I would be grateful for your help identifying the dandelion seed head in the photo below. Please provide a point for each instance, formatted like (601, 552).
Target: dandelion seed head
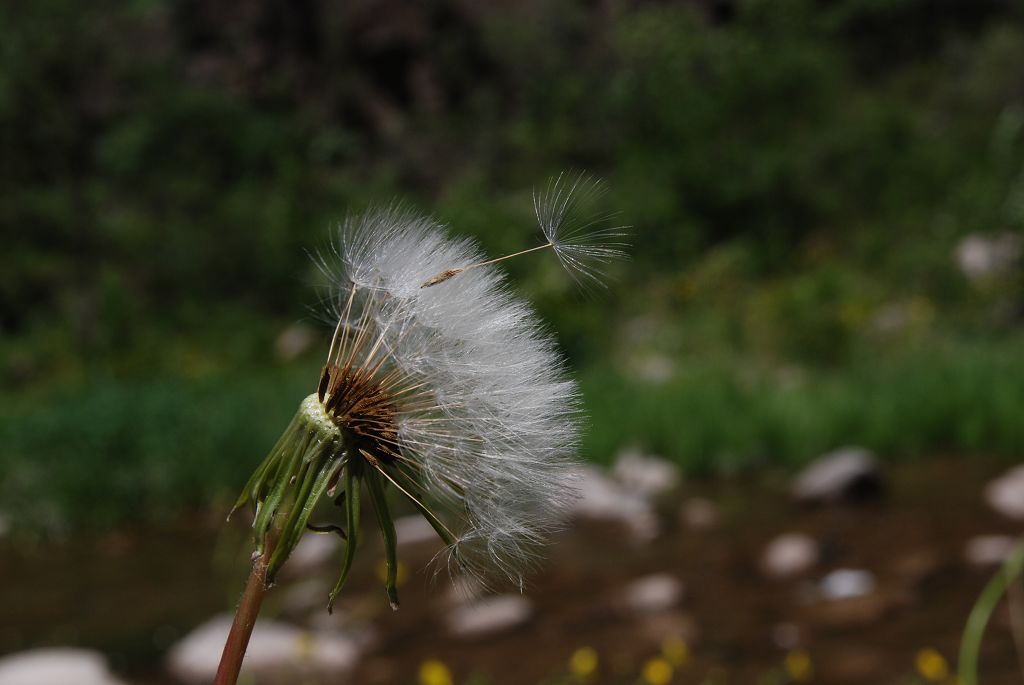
(454, 392)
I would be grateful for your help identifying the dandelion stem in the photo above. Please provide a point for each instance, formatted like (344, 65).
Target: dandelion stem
(245, 617)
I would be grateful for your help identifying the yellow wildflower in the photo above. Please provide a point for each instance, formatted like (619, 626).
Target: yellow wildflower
(931, 665)
(798, 665)
(583, 663)
(434, 672)
(657, 671)
(676, 651)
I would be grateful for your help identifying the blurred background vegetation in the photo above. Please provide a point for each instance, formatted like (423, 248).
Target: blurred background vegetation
(828, 202)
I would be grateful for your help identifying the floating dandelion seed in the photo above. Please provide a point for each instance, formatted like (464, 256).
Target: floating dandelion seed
(445, 390)
(584, 241)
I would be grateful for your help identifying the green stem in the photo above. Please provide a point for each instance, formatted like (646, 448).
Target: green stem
(970, 644)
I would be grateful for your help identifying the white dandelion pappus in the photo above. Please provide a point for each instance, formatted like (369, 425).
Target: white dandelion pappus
(585, 243)
(440, 384)
(485, 418)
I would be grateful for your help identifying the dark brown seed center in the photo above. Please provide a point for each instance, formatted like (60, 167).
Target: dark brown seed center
(363, 409)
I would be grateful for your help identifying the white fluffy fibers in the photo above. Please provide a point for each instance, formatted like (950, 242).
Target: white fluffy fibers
(486, 418)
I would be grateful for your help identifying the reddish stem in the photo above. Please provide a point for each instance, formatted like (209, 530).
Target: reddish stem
(245, 619)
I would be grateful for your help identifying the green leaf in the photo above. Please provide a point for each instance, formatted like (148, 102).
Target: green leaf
(375, 488)
(253, 487)
(442, 530)
(314, 484)
(353, 484)
(282, 480)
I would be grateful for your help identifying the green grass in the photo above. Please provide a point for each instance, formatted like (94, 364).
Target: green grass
(110, 452)
(959, 398)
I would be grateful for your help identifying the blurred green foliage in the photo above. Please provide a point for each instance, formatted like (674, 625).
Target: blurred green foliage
(140, 450)
(798, 173)
(957, 398)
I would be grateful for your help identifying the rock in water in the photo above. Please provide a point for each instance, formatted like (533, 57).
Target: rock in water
(464, 589)
(312, 553)
(644, 474)
(651, 594)
(415, 530)
(851, 473)
(277, 652)
(489, 616)
(309, 595)
(56, 666)
(1006, 494)
(846, 583)
(789, 555)
(602, 498)
(988, 550)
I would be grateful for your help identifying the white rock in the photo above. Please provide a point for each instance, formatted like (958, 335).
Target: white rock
(307, 595)
(604, 499)
(56, 666)
(489, 616)
(464, 590)
(342, 624)
(846, 583)
(983, 257)
(314, 551)
(1006, 493)
(653, 593)
(646, 475)
(414, 530)
(846, 473)
(988, 550)
(789, 555)
(277, 651)
(293, 341)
